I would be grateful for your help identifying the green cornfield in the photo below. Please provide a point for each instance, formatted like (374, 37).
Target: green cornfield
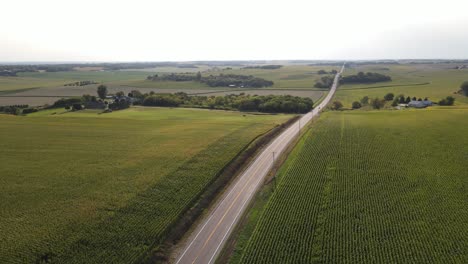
(371, 187)
(87, 188)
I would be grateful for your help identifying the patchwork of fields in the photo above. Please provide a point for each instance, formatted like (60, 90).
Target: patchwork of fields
(360, 187)
(370, 187)
(435, 81)
(40, 88)
(105, 187)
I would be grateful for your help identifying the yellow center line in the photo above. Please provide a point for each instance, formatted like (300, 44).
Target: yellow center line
(227, 211)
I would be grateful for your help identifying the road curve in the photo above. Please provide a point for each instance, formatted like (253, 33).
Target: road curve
(208, 238)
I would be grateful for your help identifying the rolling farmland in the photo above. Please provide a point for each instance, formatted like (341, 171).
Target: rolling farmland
(435, 81)
(370, 187)
(38, 88)
(105, 188)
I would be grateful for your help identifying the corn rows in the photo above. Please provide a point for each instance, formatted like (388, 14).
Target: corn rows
(370, 188)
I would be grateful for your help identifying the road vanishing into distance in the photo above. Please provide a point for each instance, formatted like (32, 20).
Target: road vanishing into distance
(209, 237)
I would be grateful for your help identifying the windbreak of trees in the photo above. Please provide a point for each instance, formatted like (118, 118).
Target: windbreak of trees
(16, 109)
(13, 70)
(176, 77)
(80, 83)
(222, 80)
(67, 102)
(241, 102)
(264, 67)
(235, 79)
(368, 77)
(168, 100)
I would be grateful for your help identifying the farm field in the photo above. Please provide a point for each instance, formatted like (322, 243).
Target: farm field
(41, 88)
(106, 187)
(435, 81)
(37, 80)
(370, 187)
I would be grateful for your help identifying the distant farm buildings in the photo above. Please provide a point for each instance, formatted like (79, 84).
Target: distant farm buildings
(420, 104)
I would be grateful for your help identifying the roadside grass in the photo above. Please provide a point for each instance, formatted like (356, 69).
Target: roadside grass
(370, 187)
(105, 188)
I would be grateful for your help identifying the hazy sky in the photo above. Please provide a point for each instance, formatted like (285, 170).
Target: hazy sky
(145, 30)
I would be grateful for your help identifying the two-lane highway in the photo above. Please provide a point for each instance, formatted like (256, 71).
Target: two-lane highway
(208, 238)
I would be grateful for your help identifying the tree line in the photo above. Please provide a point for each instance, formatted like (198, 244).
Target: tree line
(222, 80)
(368, 77)
(80, 83)
(17, 109)
(264, 67)
(241, 102)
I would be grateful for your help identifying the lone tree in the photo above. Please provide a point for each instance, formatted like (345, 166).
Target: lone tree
(389, 97)
(336, 105)
(356, 105)
(377, 103)
(102, 91)
(464, 88)
(365, 100)
(401, 100)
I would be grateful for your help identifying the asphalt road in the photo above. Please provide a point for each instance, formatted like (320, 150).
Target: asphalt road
(209, 237)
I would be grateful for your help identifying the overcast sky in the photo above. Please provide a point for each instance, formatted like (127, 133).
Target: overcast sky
(154, 30)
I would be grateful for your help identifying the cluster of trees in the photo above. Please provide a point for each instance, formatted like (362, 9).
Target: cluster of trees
(325, 72)
(324, 82)
(67, 103)
(17, 109)
(378, 103)
(176, 77)
(375, 103)
(368, 77)
(80, 83)
(241, 102)
(78, 103)
(12, 70)
(336, 105)
(264, 67)
(449, 100)
(222, 80)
